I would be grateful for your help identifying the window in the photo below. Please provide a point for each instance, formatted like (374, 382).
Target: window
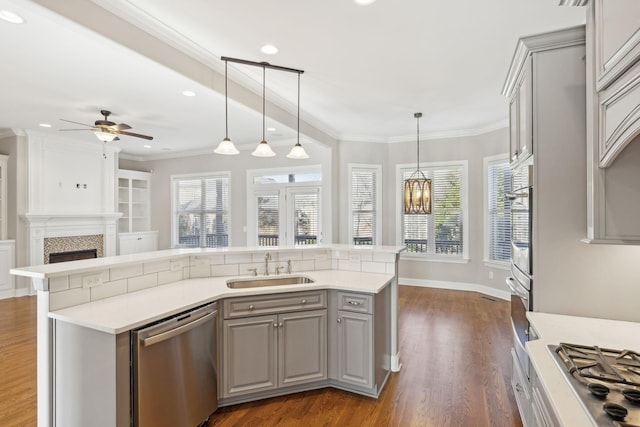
(201, 210)
(284, 207)
(497, 208)
(442, 234)
(364, 203)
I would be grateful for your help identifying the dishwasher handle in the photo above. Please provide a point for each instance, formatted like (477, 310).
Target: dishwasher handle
(154, 339)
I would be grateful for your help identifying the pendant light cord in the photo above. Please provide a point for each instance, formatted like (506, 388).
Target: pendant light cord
(226, 102)
(298, 108)
(417, 116)
(264, 70)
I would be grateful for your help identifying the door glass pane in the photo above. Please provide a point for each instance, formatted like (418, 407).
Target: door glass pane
(305, 207)
(268, 219)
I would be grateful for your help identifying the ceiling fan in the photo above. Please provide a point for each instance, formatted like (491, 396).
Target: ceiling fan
(106, 130)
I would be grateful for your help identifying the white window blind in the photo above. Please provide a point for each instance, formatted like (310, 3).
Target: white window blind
(499, 211)
(305, 208)
(364, 200)
(441, 232)
(201, 211)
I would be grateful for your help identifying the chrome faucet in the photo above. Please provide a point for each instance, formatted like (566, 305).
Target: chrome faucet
(267, 257)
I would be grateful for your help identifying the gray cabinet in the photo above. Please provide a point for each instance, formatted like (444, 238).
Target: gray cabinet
(613, 121)
(266, 352)
(359, 341)
(355, 355)
(520, 116)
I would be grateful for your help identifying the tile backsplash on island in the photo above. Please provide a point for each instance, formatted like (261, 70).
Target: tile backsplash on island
(74, 289)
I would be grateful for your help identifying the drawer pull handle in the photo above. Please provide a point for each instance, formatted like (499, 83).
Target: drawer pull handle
(251, 307)
(275, 325)
(355, 303)
(304, 301)
(339, 320)
(280, 324)
(519, 388)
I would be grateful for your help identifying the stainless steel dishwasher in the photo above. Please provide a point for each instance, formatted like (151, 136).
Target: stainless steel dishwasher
(175, 370)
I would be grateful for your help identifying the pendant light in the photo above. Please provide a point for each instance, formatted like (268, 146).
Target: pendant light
(226, 147)
(417, 189)
(297, 152)
(263, 149)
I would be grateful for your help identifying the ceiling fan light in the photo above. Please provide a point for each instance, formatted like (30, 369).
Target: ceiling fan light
(263, 150)
(105, 136)
(297, 152)
(227, 148)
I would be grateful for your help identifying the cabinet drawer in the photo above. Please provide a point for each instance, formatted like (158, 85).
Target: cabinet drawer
(360, 303)
(275, 303)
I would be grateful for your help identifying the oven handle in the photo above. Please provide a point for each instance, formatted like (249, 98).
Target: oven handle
(515, 288)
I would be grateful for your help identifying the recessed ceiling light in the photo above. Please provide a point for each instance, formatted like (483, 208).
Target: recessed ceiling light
(188, 93)
(11, 17)
(269, 49)
(364, 2)
(45, 125)
(271, 129)
(146, 146)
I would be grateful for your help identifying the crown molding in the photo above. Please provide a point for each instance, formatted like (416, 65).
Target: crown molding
(536, 43)
(7, 133)
(573, 2)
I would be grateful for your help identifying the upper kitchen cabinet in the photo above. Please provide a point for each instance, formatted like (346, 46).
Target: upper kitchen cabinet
(522, 84)
(613, 121)
(615, 28)
(520, 104)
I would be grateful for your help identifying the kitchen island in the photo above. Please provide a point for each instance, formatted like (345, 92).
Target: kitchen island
(562, 403)
(99, 301)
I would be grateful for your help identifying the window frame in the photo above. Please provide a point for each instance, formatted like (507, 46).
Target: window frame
(377, 169)
(464, 200)
(488, 162)
(174, 209)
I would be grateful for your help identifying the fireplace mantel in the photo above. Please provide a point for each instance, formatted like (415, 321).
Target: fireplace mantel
(43, 225)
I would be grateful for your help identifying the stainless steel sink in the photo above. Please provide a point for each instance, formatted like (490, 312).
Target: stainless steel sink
(268, 281)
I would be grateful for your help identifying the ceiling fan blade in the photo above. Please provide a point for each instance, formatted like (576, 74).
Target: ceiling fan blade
(121, 126)
(71, 121)
(137, 135)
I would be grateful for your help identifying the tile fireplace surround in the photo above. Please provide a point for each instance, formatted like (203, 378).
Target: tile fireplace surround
(49, 233)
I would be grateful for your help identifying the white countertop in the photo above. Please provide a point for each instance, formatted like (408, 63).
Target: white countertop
(554, 329)
(125, 312)
(73, 267)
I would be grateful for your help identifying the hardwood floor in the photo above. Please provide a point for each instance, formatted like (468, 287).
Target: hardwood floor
(18, 362)
(454, 348)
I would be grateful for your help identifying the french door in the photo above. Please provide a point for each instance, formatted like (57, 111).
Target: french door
(286, 216)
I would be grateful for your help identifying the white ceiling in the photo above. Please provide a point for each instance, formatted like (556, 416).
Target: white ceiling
(367, 68)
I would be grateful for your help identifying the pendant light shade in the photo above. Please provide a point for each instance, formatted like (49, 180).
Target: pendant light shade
(417, 189)
(226, 147)
(297, 152)
(263, 149)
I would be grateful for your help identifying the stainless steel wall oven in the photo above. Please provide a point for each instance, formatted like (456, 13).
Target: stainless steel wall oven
(521, 280)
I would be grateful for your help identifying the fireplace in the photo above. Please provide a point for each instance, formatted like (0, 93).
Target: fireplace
(72, 255)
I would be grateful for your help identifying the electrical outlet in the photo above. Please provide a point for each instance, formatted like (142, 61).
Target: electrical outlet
(491, 275)
(354, 257)
(177, 265)
(91, 280)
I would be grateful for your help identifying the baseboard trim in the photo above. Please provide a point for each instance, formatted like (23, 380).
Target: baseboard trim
(14, 293)
(456, 286)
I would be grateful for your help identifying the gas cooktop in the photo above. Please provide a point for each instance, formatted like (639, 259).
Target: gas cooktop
(607, 382)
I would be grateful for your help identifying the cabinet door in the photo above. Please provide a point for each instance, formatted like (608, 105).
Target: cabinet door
(525, 111)
(513, 129)
(355, 357)
(249, 355)
(302, 347)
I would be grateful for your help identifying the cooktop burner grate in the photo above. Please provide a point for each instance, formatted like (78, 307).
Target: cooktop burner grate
(606, 381)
